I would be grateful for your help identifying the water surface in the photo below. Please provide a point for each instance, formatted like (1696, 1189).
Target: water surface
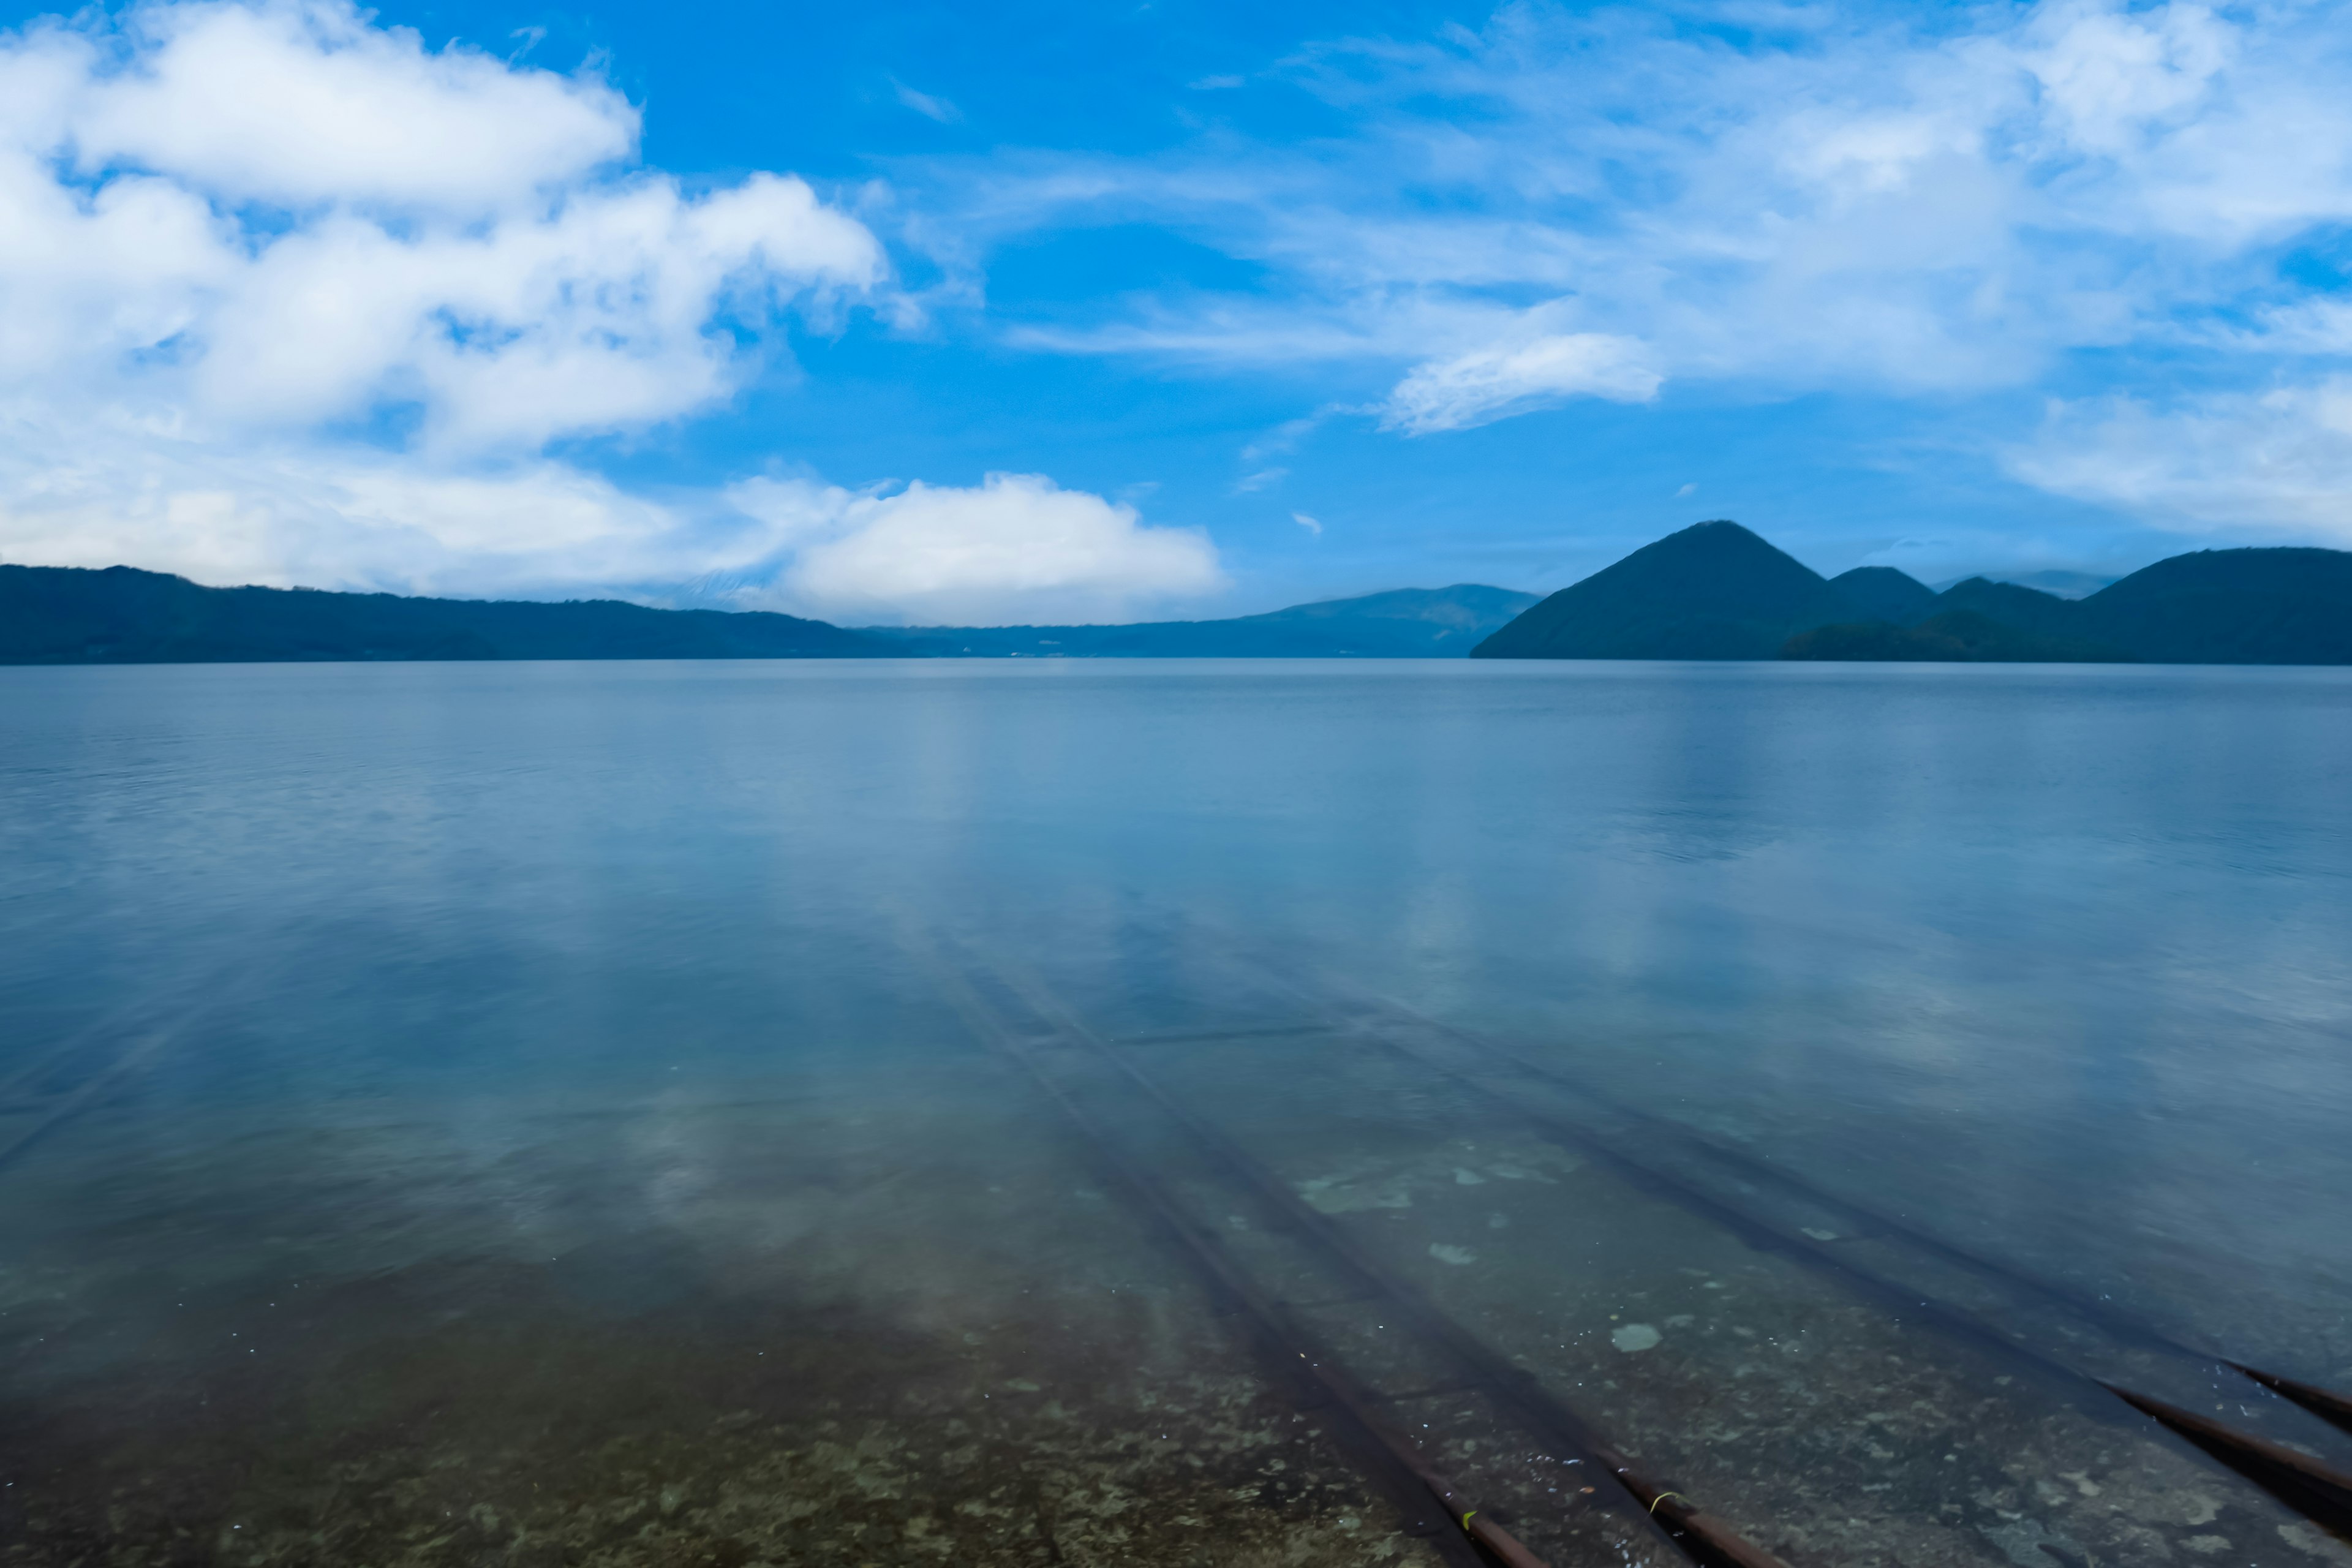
(563, 1112)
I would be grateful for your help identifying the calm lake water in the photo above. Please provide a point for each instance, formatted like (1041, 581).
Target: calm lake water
(616, 1113)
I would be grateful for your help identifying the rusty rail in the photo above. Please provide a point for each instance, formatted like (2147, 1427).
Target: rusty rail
(1706, 1540)
(1288, 1346)
(2314, 1489)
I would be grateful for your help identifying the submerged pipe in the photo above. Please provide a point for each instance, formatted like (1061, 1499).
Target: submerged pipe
(87, 1093)
(1863, 1216)
(2316, 1491)
(1699, 1536)
(1685, 1522)
(2313, 1490)
(1277, 1334)
(2332, 1408)
(2320, 1493)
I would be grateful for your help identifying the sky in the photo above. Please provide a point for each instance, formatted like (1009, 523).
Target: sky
(1039, 313)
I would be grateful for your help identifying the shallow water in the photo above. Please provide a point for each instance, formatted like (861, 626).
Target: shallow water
(585, 1113)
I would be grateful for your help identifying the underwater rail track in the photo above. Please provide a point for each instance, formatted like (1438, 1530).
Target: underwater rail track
(1293, 1349)
(2319, 1491)
(52, 1110)
(45, 1089)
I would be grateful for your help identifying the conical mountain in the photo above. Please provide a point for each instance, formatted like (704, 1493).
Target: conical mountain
(1883, 594)
(1713, 591)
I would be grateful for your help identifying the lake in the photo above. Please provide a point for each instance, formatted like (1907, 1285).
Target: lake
(794, 1112)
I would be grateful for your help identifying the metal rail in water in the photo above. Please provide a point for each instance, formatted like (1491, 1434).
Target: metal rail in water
(2321, 1492)
(52, 1111)
(1514, 1397)
(1311, 1378)
(33, 1090)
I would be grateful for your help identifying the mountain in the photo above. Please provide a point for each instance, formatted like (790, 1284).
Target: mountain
(2232, 606)
(2027, 609)
(1883, 594)
(2212, 606)
(1717, 591)
(1953, 637)
(58, 615)
(1405, 623)
(1711, 590)
(2064, 585)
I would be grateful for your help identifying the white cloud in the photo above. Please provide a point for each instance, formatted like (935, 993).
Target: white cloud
(228, 230)
(85, 492)
(1491, 383)
(2269, 464)
(298, 103)
(1312, 525)
(603, 315)
(2111, 81)
(1905, 200)
(926, 105)
(457, 245)
(1014, 549)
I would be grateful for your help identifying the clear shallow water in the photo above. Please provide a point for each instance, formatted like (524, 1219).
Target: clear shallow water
(590, 1052)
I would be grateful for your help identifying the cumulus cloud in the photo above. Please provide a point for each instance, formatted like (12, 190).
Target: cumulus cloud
(442, 234)
(2259, 463)
(287, 297)
(304, 104)
(1014, 549)
(606, 314)
(112, 490)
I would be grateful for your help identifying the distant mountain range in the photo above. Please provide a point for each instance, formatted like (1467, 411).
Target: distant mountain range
(57, 615)
(1406, 623)
(1716, 591)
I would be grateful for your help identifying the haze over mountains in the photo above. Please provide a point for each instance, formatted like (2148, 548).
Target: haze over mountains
(1713, 591)
(1405, 623)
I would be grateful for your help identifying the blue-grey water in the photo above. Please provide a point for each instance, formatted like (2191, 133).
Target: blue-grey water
(564, 1113)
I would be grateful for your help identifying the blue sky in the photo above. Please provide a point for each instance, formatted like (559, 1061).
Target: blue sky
(897, 312)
